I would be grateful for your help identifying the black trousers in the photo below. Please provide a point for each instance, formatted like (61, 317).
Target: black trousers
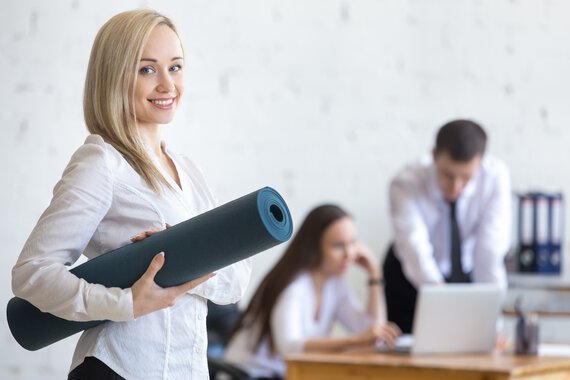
(400, 293)
(93, 369)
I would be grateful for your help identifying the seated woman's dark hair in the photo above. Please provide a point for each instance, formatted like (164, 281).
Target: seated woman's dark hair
(303, 253)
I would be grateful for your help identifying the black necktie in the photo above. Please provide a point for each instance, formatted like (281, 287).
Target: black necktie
(457, 274)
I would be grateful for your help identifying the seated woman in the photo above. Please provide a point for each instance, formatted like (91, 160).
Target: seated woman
(298, 301)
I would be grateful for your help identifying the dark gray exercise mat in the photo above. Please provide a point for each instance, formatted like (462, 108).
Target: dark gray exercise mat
(208, 242)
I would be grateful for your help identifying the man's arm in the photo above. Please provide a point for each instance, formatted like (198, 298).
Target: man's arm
(494, 233)
(412, 244)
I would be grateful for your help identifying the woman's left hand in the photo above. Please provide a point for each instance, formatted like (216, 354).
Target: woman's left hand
(365, 258)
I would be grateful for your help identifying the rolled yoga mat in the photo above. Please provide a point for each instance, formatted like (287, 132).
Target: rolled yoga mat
(200, 245)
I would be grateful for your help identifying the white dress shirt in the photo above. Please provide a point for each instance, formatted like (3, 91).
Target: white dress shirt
(293, 322)
(97, 206)
(421, 221)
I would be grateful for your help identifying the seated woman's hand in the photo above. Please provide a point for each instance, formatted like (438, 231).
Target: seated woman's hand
(387, 332)
(365, 259)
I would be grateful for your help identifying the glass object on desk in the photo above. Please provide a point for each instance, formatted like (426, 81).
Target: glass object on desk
(527, 334)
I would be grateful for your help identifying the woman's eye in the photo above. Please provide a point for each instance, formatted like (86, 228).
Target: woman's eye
(176, 68)
(146, 70)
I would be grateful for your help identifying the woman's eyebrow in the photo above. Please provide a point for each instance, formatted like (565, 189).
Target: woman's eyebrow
(154, 60)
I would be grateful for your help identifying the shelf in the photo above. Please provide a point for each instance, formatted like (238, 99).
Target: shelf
(538, 281)
(541, 313)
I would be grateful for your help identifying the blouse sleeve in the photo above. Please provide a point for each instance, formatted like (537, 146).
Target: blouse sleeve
(228, 285)
(80, 200)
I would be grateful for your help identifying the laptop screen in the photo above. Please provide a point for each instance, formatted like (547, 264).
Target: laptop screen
(456, 318)
(453, 318)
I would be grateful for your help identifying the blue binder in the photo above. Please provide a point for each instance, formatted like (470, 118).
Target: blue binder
(542, 225)
(540, 233)
(556, 226)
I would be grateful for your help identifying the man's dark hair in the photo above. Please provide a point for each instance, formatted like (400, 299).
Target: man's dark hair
(461, 139)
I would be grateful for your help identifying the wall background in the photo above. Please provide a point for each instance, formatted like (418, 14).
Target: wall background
(322, 99)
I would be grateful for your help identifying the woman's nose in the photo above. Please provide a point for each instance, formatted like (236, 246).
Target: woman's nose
(349, 252)
(166, 84)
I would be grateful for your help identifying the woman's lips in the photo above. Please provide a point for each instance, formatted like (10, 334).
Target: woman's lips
(164, 104)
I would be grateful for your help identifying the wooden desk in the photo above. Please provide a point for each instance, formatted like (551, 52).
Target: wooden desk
(370, 365)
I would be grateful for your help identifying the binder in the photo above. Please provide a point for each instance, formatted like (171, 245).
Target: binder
(526, 255)
(556, 212)
(542, 232)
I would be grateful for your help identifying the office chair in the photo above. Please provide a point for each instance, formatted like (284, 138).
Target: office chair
(220, 321)
(218, 366)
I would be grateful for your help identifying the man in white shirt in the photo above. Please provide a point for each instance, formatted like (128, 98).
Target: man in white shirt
(451, 213)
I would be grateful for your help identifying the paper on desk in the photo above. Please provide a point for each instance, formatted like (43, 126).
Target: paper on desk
(551, 349)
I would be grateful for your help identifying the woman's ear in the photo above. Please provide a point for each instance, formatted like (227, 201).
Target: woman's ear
(434, 153)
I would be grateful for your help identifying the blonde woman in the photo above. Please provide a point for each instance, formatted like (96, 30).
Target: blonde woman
(120, 186)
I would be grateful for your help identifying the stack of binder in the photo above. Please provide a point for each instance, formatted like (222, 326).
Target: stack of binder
(540, 230)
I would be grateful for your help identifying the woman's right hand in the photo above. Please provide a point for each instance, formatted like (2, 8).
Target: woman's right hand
(148, 296)
(387, 332)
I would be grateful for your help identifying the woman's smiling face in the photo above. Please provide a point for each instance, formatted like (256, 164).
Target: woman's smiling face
(160, 81)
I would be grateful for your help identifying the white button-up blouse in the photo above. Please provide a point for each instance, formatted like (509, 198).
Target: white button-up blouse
(97, 206)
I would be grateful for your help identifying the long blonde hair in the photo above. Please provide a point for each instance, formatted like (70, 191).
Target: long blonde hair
(108, 99)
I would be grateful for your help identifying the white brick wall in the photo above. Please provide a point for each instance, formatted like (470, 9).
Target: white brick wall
(323, 100)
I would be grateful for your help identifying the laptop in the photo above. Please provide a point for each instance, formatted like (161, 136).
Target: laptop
(452, 318)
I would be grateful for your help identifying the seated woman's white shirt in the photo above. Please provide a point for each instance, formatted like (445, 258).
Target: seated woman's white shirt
(293, 322)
